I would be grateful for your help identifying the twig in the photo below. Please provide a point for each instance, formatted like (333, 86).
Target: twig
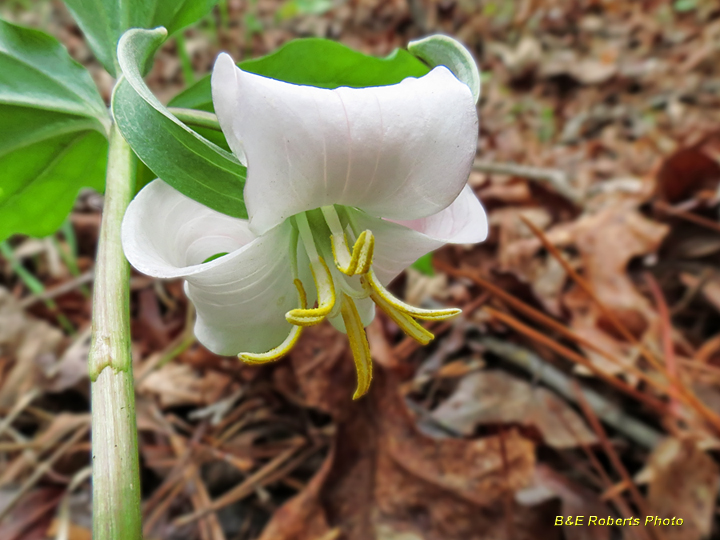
(61, 289)
(279, 466)
(592, 417)
(26, 399)
(555, 178)
(610, 413)
(651, 402)
(42, 469)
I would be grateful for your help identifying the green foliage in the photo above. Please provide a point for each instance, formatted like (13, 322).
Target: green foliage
(424, 265)
(216, 256)
(316, 62)
(445, 51)
(53, 126)
(104, 21)
(293, 8)
(181, 157)
(682, 6)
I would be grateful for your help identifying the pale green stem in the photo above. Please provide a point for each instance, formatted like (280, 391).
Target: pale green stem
(194, 118)
(116, 471)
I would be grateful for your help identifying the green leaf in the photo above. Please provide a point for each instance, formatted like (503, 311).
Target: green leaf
(424, 265)
(445, 51)
(293, 8)
(682, 6)
(216, 256)
(315, 62)
(53, 126)
(104, 21)
(181, 157)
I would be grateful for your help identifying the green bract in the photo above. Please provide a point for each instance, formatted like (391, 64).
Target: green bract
(104, 21)
(315, 62)
(185, 160)
(53, 126)
(442, 50)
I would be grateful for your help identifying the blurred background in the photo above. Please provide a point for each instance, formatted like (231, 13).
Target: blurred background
(582, 380)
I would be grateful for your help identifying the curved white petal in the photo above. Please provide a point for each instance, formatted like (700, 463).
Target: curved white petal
(242, 297)
(225, 93)
(401, 152)
(463, 222)
(399, 244)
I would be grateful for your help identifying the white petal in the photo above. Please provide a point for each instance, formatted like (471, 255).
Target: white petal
(225, 90)
(463, 222)
(241, 298)
(402, 151)
(399, 244)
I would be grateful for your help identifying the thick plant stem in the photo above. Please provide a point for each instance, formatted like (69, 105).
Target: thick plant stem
(115, 467)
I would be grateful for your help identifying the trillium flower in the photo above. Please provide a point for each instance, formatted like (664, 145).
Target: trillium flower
(345, 189)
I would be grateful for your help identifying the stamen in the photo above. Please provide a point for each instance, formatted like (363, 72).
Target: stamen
(289, 342)
(358, 345)
(409, 325)
(321, 275)
(360, 260)
(325, 293)
(371, 283)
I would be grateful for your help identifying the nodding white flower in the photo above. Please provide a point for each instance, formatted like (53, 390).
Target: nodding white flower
(345, 189)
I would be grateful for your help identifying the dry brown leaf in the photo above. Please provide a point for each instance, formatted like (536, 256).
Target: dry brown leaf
(577, 500)
(686, 172)
(606, 242)
(495, 397)
(683, 483)
(178, 384)
(24, 339)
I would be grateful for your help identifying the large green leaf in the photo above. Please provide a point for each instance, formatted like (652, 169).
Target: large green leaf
(181, 157)
(104, 21)
(52, 132)
(315, 62)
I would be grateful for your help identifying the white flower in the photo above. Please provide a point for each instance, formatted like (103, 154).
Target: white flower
(368, 179)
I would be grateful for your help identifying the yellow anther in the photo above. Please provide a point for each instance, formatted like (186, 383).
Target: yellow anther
(376, 289)
(326, 298)
(360, 260)
(409, 325)
(284, 348)
(358, 344)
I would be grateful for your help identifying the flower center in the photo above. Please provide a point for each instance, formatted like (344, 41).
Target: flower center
(327, 233)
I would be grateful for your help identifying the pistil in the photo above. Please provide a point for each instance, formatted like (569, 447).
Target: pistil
(360, 261)
(358, 345)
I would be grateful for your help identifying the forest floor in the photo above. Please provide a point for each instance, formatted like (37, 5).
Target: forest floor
(583, 378)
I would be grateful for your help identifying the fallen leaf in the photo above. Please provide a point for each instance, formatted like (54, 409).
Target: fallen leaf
(683, 482)
(179, 384)
(606, 241)
(686, 172)
(25, 339)
(495, 397)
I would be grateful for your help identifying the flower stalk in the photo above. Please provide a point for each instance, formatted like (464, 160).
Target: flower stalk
(115, 465)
